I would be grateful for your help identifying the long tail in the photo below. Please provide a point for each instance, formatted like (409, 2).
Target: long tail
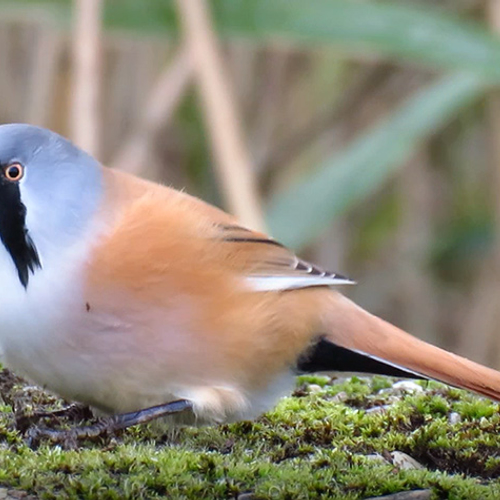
(356, 339)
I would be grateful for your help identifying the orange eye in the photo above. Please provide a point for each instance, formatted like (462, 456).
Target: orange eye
(14, 172)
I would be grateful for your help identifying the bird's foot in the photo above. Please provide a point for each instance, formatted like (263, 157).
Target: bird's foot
(75, 412)
(105, 426)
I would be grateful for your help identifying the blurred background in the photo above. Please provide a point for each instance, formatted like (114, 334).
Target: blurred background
(363, 134)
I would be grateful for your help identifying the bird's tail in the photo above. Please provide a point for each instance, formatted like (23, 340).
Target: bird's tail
(375, 346)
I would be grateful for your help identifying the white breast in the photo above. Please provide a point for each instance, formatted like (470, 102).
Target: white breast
(34, 321)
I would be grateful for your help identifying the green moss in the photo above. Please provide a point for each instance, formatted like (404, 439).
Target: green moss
(310, 446)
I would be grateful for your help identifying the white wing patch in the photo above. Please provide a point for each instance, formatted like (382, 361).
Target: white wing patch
(280, 283)
(270, 266)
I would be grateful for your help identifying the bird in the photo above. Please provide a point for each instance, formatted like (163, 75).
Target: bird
(142, 301)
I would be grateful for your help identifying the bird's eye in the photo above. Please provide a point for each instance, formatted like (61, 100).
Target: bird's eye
(14, 172)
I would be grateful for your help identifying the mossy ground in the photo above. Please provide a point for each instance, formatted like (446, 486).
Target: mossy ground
(312, 445)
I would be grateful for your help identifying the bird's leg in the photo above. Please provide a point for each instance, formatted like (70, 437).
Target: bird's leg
(108, 425)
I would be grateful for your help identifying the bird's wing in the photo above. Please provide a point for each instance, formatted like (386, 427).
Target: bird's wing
(268, 265)
(183, 232)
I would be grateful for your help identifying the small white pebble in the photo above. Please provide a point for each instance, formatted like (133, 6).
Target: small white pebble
(376, 457)
(454, 418)
(313, 388)
(340, 397)
(378, 409)
(407, 386)
(404, 461)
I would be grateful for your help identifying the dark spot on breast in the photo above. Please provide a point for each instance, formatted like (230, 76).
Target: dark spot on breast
(87, 306)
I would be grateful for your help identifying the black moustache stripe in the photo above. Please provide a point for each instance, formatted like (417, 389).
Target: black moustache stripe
(14, 234)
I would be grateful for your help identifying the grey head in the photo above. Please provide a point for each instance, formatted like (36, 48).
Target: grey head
(49, 190)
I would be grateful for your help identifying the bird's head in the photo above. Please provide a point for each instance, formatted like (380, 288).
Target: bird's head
(49, 190)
